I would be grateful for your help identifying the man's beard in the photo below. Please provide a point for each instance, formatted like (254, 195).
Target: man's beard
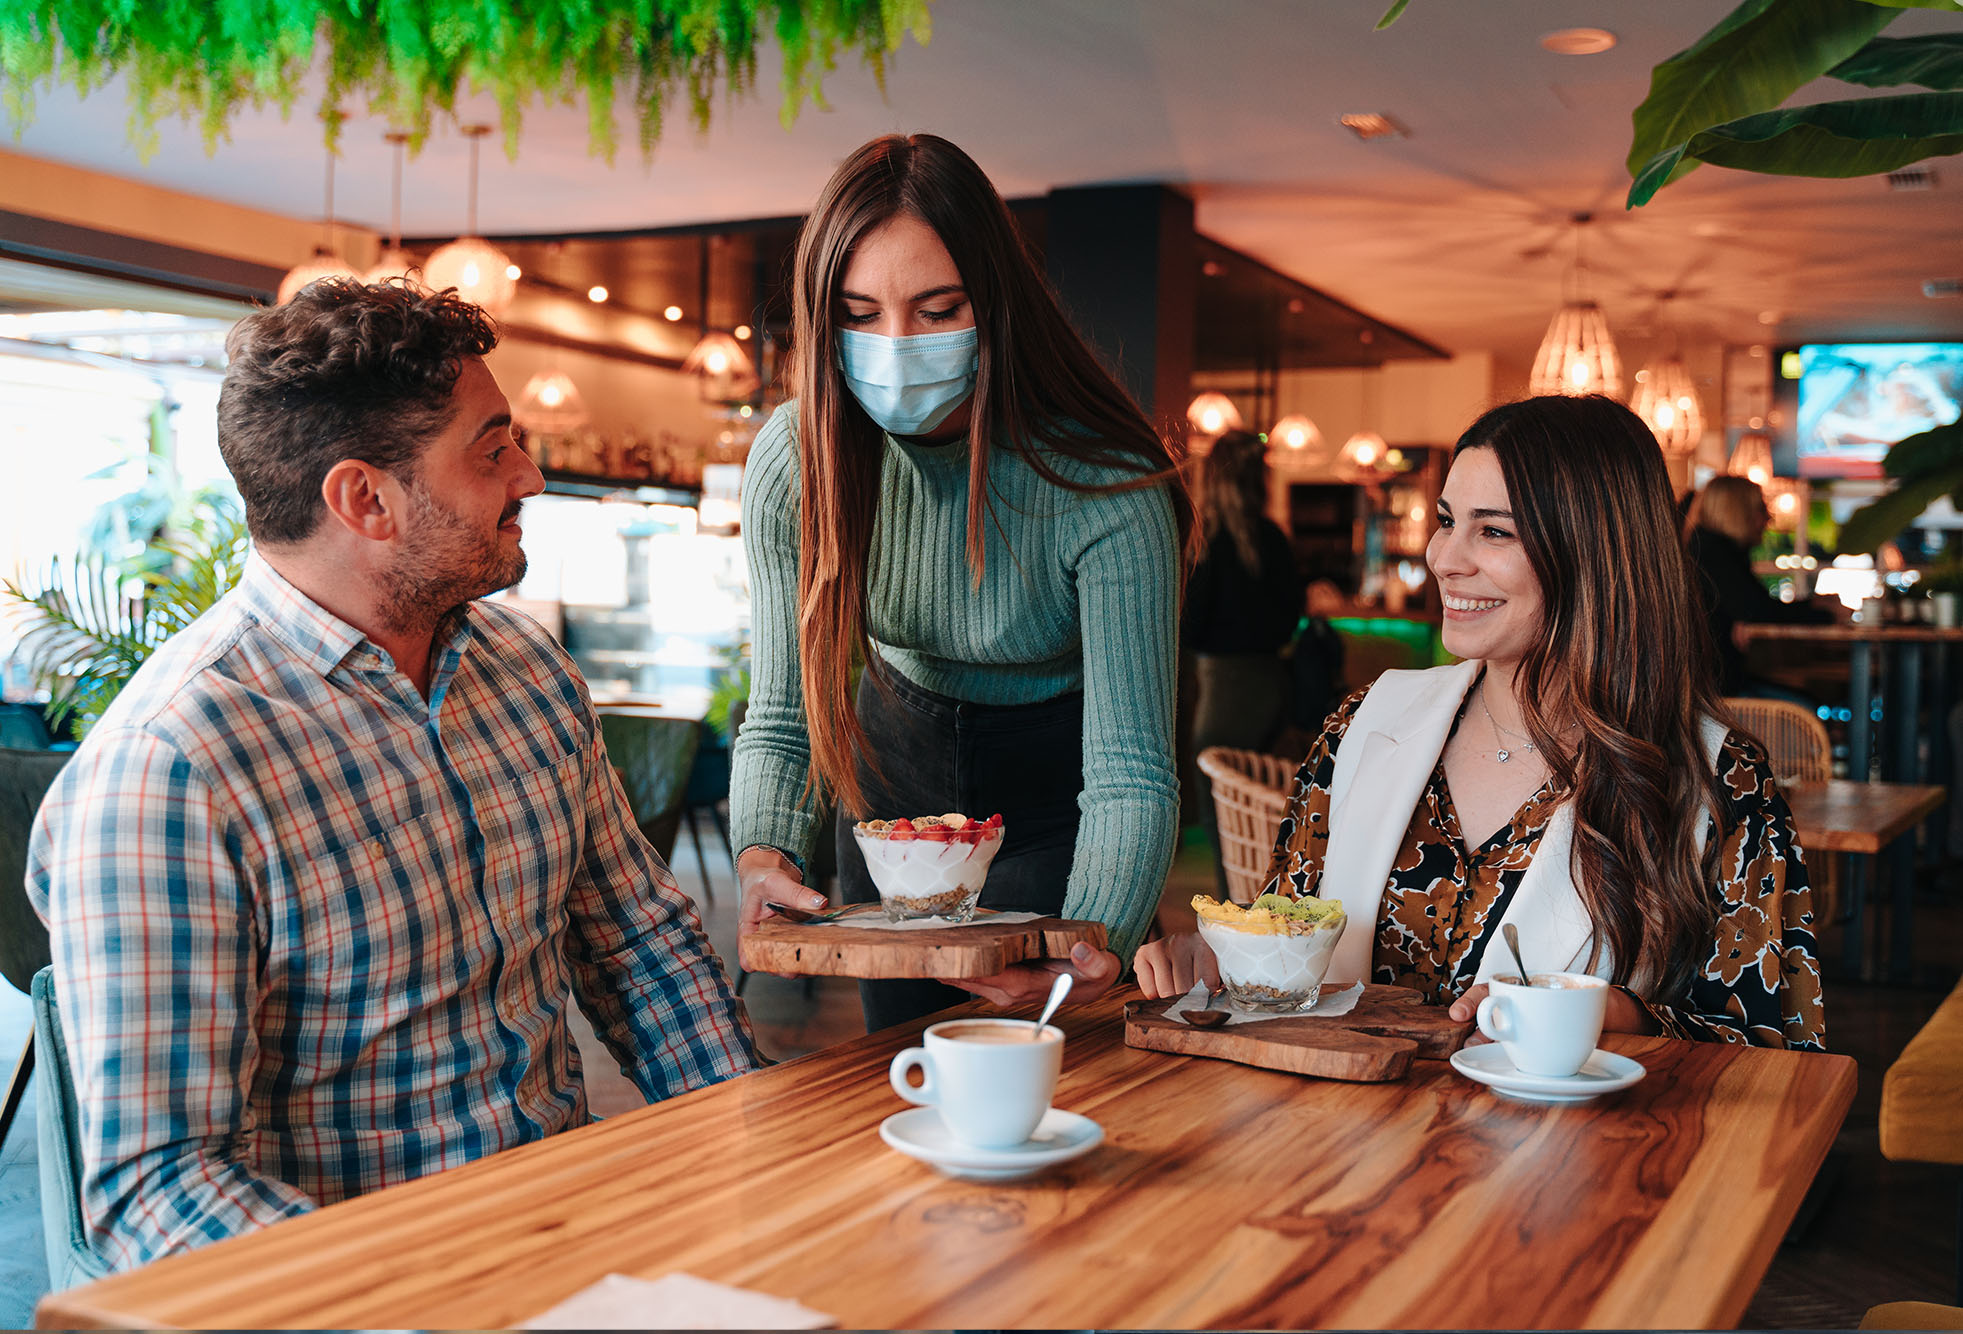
(443, 564)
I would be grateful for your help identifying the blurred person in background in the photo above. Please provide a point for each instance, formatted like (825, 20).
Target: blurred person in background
(1242, 606)
(1726, 523)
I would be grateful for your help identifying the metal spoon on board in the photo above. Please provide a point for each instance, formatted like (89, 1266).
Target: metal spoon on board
(1512, 934)
(1209, 1017)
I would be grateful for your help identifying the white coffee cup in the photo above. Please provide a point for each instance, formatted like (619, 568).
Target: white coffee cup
(1549, 1028)
(990, 1080)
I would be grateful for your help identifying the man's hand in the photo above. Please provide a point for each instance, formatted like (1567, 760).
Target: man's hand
(1171, 965)
(765, 875)
(1094, 970)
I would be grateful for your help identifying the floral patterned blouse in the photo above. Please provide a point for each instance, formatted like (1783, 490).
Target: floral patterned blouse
(1441, 909)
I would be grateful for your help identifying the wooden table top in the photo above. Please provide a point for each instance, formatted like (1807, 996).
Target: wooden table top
(1844, 816)
(1884, 633)
(1222, 1196)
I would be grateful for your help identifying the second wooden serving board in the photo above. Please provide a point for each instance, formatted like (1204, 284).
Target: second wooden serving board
(975, 950)
(1374, 1042)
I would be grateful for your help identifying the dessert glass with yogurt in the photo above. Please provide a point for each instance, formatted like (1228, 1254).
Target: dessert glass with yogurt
(1274, 951)
(929, 865)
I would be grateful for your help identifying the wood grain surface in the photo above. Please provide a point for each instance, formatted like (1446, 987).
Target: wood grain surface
(1843, 816)
(975, 950)
(1376, 1040)
(1222, 1196)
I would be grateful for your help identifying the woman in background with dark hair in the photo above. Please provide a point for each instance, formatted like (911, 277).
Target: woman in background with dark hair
(964, 500)
(1242, 606)
(1573, 776)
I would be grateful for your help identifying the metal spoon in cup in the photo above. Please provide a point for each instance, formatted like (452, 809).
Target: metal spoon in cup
(1058, 990)
(1513, 943)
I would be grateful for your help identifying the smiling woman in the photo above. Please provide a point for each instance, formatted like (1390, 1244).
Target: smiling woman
(1574, 777)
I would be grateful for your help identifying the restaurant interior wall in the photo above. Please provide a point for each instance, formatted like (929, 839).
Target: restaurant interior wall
(90, 199)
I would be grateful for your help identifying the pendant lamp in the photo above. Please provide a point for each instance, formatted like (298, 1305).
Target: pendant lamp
(1666, 400)
(719, 363)
(394, 262)
(1752, 457)
(1213, 413)
(1577, 355)
(550, 404)
(1296, 432)
(479, 271)
(1364, 455)
(326, 261)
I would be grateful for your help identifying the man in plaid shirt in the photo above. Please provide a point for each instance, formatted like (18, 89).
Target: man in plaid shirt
(323, 878)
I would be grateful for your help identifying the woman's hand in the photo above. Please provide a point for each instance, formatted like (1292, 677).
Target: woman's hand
(1094, 971)
(1620, 1015)
(1171, 965)
(765, 875)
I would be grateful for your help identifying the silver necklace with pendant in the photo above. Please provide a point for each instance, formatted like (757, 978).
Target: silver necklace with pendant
(1501, 751)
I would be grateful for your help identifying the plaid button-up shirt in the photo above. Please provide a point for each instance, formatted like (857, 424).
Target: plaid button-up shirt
(314, 935)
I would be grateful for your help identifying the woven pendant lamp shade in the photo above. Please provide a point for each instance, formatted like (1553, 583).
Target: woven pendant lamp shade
(1752, 457)
(324, 264)
(1296, 432)
(477, 269)
(1577, 356)
(550, 404)
(1213, 413)
(1666, 400)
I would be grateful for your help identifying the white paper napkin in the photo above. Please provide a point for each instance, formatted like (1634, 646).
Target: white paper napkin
(876, 921)
(1329, 1005)
(675, 1301)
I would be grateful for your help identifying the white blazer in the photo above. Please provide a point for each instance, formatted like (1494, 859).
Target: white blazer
(1385, 760)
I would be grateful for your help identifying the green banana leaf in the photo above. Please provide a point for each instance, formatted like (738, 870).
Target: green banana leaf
(1952, 6)
(1391, 15)
(1938, 450)
(1857, 138)
(1755, 59)
(1935, 61)
(1881, 519)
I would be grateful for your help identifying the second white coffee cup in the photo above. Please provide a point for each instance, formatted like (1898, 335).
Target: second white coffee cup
(989, 1078)
(1549, 1028)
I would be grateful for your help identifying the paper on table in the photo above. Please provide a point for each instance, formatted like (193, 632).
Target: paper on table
(876, 921)
(1330, 1005)
(676, 1301)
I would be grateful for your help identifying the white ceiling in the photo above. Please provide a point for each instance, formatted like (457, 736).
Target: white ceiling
(1457, 233)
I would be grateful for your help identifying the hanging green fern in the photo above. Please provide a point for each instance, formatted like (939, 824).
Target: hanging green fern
(407, 60)
(83, 636)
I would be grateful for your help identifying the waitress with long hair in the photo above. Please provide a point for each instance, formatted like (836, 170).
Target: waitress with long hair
(1574, 775)
(962, 501)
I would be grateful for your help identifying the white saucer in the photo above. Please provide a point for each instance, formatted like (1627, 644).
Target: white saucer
(1604, 1072)
(1060, 1136)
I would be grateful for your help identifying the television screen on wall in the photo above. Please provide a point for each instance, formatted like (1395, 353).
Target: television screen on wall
(1857, 399)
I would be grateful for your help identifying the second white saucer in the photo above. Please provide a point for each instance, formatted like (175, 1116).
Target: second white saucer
(1603, 1072)
(1060, 1136)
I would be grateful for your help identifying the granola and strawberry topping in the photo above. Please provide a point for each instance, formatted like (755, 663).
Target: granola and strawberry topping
(953, 827)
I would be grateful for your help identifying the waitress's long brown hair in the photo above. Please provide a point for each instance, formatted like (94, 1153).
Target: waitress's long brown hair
(1623, 654)
(1038, 391)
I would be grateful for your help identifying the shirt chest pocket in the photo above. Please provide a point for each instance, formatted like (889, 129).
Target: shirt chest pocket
(534, 831)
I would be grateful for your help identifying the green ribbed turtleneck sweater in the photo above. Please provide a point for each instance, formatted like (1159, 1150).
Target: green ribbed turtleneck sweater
(1079, 591)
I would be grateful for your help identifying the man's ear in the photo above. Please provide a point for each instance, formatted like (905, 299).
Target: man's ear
(364, 499)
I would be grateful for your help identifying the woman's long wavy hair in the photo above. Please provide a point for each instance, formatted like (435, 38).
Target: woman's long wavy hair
(1039, 391)
(1622, 654)
(1234, 493)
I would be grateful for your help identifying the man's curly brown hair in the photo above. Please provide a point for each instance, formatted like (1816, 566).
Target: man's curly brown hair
(342, 371)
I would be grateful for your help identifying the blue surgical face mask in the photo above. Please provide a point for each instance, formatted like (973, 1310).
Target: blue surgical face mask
(909, 385)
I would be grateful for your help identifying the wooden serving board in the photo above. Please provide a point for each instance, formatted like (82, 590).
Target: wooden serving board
(1374, 1042)
(974, 950)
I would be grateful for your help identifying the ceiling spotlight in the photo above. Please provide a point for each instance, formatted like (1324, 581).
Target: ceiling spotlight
(672, 313)
(1373, 125)
(596, 294)
(1578, 41)
(741, 331)
(513, 272)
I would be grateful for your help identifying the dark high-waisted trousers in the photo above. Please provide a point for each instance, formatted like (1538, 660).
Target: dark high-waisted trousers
(936, 755)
